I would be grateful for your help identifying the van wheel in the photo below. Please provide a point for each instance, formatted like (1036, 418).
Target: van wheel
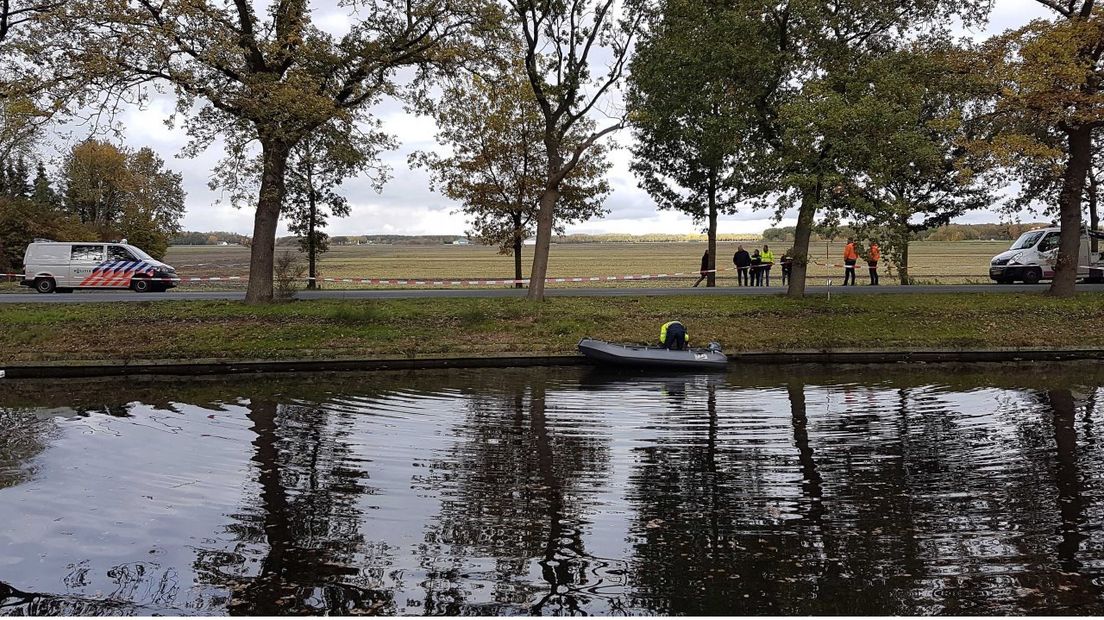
(1032, 276)
(141, 285)
(45, 285)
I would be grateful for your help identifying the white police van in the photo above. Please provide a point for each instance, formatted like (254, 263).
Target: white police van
(50, 266)
(1031, 258)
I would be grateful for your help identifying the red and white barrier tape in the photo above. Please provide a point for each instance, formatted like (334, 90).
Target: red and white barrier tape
(479, 281)
(431, 281)
(19, 276)
(511, 281)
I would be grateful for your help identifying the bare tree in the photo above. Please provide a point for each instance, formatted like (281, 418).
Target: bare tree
(497, 169)
(561, 42)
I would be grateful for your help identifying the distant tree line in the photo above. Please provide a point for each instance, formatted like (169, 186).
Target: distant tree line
(948, 232)
(215, 237)
(343, 240)
(649, 238)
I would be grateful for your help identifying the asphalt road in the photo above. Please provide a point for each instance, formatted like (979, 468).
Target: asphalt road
(107, 296)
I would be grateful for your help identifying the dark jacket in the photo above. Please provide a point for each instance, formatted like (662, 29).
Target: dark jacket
(741, 258)
(705, 261)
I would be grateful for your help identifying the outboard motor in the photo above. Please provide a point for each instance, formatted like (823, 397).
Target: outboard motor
(713, 347)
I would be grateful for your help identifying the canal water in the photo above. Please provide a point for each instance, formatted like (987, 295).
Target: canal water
(784, 490)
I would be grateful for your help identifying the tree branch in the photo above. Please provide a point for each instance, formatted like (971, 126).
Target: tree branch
(248, 40)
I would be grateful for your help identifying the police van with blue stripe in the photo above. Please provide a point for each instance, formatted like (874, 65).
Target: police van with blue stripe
(51, 266)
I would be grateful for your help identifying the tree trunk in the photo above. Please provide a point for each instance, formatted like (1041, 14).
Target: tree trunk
(1094, 215)
(1073, 185)
(312, 248)
(902, 266)
(545, 217)
(1071, 502)
(811, 480)
(260, 595)
(711, 278)
(274, 156)
(517, 249)
(802, 233)
(900, 246)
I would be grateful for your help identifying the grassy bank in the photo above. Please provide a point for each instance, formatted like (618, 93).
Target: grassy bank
(450, 327)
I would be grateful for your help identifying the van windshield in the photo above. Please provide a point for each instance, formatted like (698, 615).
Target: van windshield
(139, 253)
(1028, 240)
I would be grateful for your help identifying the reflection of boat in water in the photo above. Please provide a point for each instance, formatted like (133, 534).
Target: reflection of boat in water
(619, 378)
(641, 356)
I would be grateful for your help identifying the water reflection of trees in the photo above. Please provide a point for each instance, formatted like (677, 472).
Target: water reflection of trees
(23, 435)
(305, 524)
(514, 491)
(1060, 579)
(898, 499)
(900, 492)
(708, 539)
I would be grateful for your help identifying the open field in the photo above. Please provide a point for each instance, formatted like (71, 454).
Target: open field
(336, 329)
(931, 262)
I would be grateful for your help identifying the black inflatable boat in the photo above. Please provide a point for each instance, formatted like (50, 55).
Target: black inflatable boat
(640, 356)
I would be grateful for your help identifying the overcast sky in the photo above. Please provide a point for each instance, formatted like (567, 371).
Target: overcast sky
(406, 206)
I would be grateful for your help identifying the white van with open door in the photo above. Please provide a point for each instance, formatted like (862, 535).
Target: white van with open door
(1032, 257)
(50, 266)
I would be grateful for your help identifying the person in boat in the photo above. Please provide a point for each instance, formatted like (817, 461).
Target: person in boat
(673, 336)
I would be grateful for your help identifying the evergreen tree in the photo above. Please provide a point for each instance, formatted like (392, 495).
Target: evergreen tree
(21, 184)
(42, 193)
(11, 182)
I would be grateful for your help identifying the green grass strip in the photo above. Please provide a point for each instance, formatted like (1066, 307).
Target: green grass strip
(183, 330)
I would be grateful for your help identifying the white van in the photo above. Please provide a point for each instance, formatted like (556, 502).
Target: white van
(50, 266)
(1031, 258)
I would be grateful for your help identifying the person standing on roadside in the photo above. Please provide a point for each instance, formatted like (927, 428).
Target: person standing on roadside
(850, 257)
(742, 260)
(756, 269)
(873, 256)
(787, 265)
(768, 261)
(704, 268)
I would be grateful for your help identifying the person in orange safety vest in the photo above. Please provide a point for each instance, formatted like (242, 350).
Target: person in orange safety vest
(872, 257)
(850, 257)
